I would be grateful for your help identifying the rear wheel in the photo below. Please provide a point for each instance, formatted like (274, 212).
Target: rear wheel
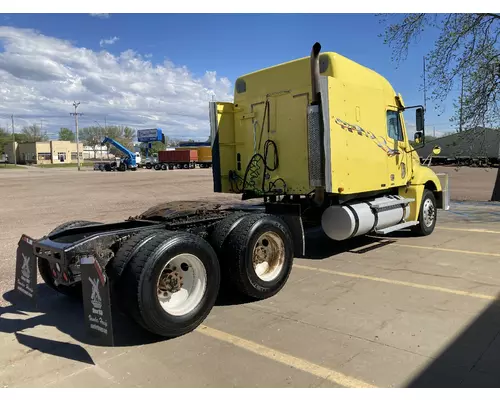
(258, 254)
(427, 216)
(74, 291)
(218, 239)
(171, 284)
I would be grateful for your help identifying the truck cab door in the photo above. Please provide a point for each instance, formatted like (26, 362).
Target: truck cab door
(399, 162)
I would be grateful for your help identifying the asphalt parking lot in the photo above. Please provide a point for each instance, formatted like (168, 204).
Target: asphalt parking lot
(392, 311)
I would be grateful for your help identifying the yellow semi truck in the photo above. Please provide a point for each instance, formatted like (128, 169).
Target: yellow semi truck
(330, 129)
(321, 141)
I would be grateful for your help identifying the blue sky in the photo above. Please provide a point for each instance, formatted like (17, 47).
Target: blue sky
(233, 44)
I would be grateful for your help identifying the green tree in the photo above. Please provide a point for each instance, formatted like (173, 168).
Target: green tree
(94, 135)
(468, 48)
(127, 136)
(67, 134)
(467, 52)
(33, 134)
(4, 138)
(22, 138)
(155, 148)
(91, 136)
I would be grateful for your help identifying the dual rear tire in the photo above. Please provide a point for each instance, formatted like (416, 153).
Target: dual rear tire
(172, 281)
(170, 284)
(256, 253)
(168, 281)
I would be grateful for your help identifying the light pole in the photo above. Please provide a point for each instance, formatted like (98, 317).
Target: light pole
(100, 141)
(76, 114)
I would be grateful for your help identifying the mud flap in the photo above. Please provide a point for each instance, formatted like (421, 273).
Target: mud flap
(96, 301)
(26, 274)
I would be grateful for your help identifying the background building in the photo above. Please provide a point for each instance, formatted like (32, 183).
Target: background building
(53, 152)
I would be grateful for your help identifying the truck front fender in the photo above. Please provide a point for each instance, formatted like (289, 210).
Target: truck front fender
(427, 177)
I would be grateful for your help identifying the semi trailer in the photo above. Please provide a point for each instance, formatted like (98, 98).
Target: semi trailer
(317, 142)
(185, 157)
(204, 152)
(204, 157)
(178, 158)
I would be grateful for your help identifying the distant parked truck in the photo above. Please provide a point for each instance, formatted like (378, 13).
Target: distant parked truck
(204, 152)
(204, 157)
(179, 158)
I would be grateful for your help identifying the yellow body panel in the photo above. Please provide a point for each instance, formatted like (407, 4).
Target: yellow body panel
(272, 104)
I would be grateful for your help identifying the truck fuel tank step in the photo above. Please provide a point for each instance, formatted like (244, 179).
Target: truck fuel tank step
(396, 227)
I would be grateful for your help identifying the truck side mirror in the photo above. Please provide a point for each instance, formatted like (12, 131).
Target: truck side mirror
(419, 117)
(418, 137)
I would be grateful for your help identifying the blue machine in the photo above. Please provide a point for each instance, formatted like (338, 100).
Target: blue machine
(129, 161)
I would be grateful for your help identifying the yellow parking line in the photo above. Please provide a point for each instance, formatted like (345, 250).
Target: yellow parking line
(476, 253)
(442, 228)
(400, 283)
(291, 361)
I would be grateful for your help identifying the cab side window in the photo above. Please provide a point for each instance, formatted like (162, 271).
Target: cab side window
(394, 126)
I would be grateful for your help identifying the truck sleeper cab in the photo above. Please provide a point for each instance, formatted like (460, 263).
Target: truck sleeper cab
(329, 127)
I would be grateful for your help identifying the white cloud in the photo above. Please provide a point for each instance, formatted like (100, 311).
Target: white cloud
(102, 16)
(108, 41)
(41, 76)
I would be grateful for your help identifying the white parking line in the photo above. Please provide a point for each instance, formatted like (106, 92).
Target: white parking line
(443, 228)
(400, 283)
(275, 355)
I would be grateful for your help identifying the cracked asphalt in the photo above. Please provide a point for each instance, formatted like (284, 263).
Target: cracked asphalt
(392, 311)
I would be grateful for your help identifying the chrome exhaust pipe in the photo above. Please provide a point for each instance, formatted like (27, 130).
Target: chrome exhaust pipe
(315, 73)
(315, 131)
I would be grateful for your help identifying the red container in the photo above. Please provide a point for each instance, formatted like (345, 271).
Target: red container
(177, 156)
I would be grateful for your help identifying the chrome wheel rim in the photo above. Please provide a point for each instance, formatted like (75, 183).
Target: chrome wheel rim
(429, 213)
(182, 284)
(268, 256)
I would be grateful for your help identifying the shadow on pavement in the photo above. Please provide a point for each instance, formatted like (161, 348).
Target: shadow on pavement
(471, 360)
(55, 348)
(66, 315)
(319, 246)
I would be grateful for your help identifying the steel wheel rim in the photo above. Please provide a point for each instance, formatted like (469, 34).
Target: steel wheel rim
(429, 212)
(181, 284)
(268, 256)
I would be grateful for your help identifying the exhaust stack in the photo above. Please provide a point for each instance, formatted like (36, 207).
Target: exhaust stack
(315, 73)
(315, 131)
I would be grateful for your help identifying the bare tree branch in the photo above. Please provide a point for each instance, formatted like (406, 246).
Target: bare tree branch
(467, 47)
